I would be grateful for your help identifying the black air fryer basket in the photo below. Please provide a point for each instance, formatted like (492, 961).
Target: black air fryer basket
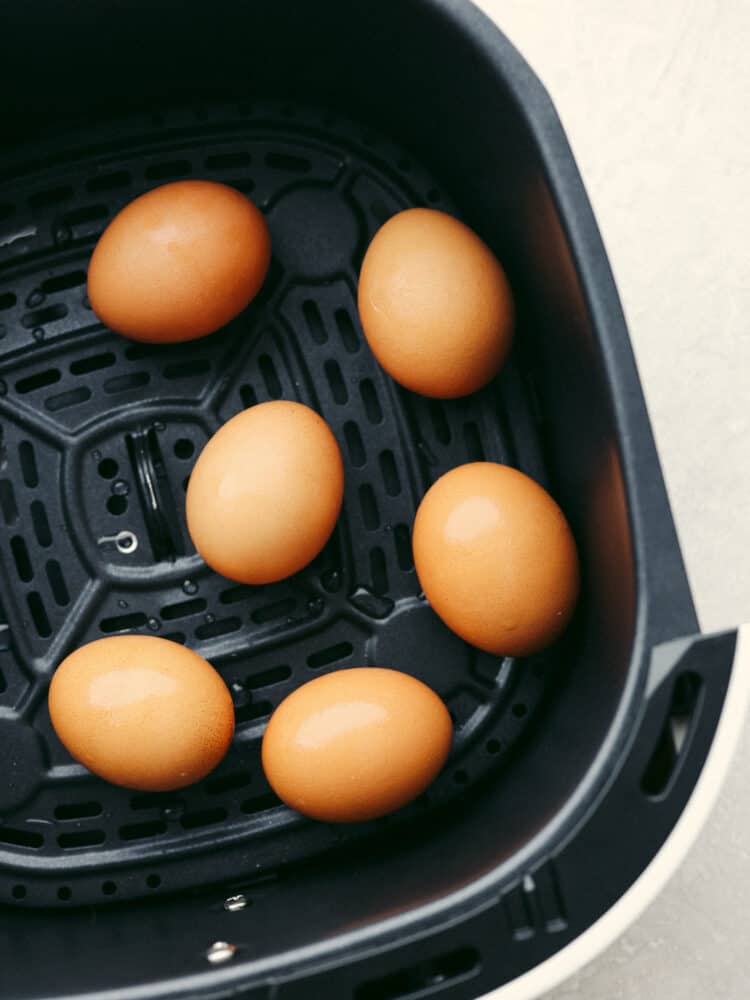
(569, 769)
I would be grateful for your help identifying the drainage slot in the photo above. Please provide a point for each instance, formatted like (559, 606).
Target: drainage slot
(65, 399)
(20, 838)
(78, 810)
(371, 401)
(123, 383)
(473, 441)
(260, 803)
(206, 817)
(336, 382)
(227, 161)
(439, 422)
(183, 610)
(187, 369)
(389, 473)
(403, 548)
(272, 612)
(267, 677)
(424, 978)
(8, 505)
(39, 615)
(678, 726)
(348, 334)
(165, 171)
(93, 363)
(87, 213)
(57, 583)
(21, 558)
(248, 396)
(31, 320)
(355, 444)
(253, 710)
(121, 623)
(39, 380)
(61, 282)
(234, 594)
(228, 782)
(212, 630)
(314, 321)
(333, 654)
(108, 182)
(27, 459)
(52, 196)
(81, 838)
(379, 571)
(270, 376)
(369, 506)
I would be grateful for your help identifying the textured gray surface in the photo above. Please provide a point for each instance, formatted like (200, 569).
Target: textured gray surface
(654, 98)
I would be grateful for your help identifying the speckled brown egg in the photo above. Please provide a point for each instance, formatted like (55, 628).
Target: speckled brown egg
(179, 262)
(356, 744)
(265, 492)
(142, 712)
(496, 558)
(435, 304)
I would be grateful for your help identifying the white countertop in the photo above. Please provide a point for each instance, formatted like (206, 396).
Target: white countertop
(654, 96)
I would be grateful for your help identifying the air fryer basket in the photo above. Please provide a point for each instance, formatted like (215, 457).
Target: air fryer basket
(566, 775)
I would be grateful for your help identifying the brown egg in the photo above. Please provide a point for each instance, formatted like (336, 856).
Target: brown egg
(356, 744)
(496, 558)
(179, 262)
(142, 712)
(265, 493)
(435, 305)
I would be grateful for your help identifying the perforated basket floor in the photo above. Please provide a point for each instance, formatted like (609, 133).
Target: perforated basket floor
(81, 552)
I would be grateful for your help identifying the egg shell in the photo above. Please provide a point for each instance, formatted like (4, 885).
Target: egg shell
(179, 262)
(265, 492)
(142, 712)
(435, 304)
(356, 744)
(496, 558)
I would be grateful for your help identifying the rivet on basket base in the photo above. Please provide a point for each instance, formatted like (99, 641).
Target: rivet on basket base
(235, 903)
(221, 951)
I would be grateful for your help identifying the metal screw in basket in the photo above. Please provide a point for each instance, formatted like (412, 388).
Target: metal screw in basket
(235, 903)
(220, 951)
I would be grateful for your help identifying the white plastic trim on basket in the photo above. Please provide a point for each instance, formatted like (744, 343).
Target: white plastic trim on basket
(672, 853)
